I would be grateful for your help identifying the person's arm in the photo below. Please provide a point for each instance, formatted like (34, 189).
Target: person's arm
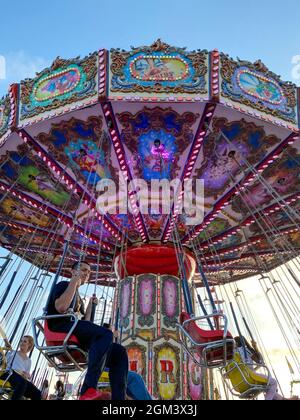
(63, 303)
(116, 334)
(257, 356)
(25, 375)
(9, 358)
(88, 313)
(7, 344)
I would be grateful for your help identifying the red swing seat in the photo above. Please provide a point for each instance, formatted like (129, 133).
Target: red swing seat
(57, 338)
(215, 345)
(62, 350)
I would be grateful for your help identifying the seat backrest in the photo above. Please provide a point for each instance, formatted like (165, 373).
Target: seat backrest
(236, 375)
(198, 334)
(57, 338)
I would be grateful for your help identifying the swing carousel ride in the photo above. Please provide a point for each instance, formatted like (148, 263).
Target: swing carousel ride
(164, 113)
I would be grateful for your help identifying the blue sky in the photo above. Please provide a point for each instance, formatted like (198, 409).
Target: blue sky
(32, 35)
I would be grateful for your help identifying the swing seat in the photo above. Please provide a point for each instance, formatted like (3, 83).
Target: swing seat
(58, 338)
(104, 378)
(215, 348)
(104, 385)
(246, 383)
(62, 350)
(5, 386)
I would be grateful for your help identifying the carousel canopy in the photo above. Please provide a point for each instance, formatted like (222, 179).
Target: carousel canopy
(155, 112)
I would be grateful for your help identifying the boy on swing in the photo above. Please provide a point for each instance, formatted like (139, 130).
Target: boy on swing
(98, 341)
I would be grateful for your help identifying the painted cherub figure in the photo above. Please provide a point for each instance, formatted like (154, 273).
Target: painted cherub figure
(160, 154)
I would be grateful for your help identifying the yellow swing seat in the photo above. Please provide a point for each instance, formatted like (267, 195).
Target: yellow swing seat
(104, 386)
(245, 382)
(104, 379)
(5, 386)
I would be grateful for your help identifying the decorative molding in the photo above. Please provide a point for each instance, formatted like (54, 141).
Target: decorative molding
(254, 86)
(65, 82)
(159, 68)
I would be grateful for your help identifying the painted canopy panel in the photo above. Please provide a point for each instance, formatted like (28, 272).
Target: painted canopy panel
(67, 82)
(5, 116)
(255, 88)
(158, 70)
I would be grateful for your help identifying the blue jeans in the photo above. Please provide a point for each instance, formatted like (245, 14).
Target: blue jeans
(136, 388)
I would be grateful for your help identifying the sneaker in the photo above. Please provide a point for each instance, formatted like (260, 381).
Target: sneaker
(90, 395)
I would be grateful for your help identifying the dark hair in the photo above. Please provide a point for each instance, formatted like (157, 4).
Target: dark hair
(238, 341)
(46, 383)
(60, 389)
(77, 264)
(106, 325)
(59, 384)
(255, 355)
(157, 141)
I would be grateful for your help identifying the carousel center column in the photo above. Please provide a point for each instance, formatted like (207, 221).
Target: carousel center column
(149, 301)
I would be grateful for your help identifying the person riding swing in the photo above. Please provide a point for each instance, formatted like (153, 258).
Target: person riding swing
(98, 341)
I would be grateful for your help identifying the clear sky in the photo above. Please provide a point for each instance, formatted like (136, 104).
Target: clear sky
(34, 33)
